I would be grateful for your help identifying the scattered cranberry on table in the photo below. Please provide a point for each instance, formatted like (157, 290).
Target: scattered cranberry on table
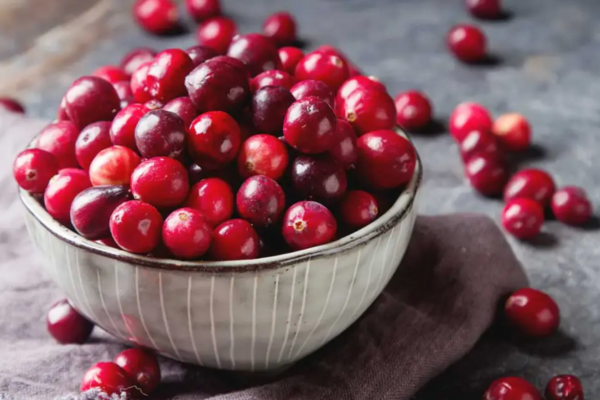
(136, 57)
(307, 224)
(92, 140)
(413, 110)
(113, 166)
(467, 42)
(487, 174)
(11, 105)
(59, 138)
(523, 218)
(531, 183)
(468, 117)
(571, 205)
(235, 239)
(480, 142)
(532, 313)
(62, 190)
(217, 33)
(201, 10)
(485, 9)
(187, 233)
(213, 197)
(290, 57)
(513, 132)
(109, 378)
(564, 387)
(33, 169)
(66, 325)
(156, 16)
(512, 388)
(136, 226)
(281, 27)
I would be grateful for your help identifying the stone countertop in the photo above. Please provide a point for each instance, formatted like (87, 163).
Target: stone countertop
(546, 69)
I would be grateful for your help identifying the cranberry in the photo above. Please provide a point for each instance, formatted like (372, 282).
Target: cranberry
(309, 126)
(92, 139)
(313, 88)
(468, 117)
(329, 69)
(467, 43)
(124, 92)
(272, 78)
(218, 86)
(289, 57)
(160, 181)
(257, 51)
(532, 312)
(359, 82)
(136, 57)
(235, 239)
(331, 51)
(413, 110)
(160, 133)
(59, 139)
(262, 155)
(199, 54)
(531, 183)
(113, 166)
(368, 110)
(91, 99)
(213, 197)
(570, 205)
(308, 224)
(385, 159)
(92, 208)
(184, 108)
(187, 233)
(153, 105)
(108, 377)
(66, 325)
(136, 226)
(61, 191)
(156, 16)
(318, 178)
(345, 148)
(358, 208)
(111, 74)
(214, 139)
(166, 74)
(33, 169)
(513, 132)
(108, 241)
(240, 66)
(487, 174)
(62, 111)
(217, 33)
(11, 105)
(523, 218)
(479, 143)
(564, 387)
(139, 83)
(485, 9)
(141, 366)
(281, 27)
(122, 130)
(511, 388)
(260, 200)
(201, 10)
(269, 108)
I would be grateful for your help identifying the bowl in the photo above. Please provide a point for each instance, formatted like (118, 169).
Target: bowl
(251, 315)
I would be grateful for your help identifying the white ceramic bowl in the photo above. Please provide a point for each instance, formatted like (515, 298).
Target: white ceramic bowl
(238, 315)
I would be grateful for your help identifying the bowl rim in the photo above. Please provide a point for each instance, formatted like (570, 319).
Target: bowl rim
(395, 214)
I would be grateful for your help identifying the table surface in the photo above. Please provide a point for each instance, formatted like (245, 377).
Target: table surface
(546, 69)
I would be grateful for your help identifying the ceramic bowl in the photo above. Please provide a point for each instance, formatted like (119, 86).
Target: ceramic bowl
(238, 315)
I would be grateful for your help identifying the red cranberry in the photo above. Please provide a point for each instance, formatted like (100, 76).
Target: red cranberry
(113, 166)
(564, 387)
(523, 218)
(217, 33)
(136, 57)
(66, 325)
(160, 133)
(289, 57)
(199, 54)
(59, 139)
(385, 159)
(513, 132)
(309, 126)
(136, 226)
(33, 169)
(262, 155)
(92, 208)
(108, 377)
(570, 205)
(511, 388)
(108, 241)
(124, 92)
(269, 108)
(368, 110)
(235, 239)
(332, 51)
(62, 111)
(281, 27)
(487, 174)
(139, 83)
(307, 224)
(141, 366)
(160, 181)
(329, 69)
(318, 178)
(92, 139)
(91, 99)
(183, 108)
(201, 10)
(313, 88)
(166, 74)
(240, 66)
(359, 82)
(213, 197)
(156, 16)
(187, 233)
(122, 130)
(260, 200)
(61, 191)
(358, 209)
(413, 110)
(532, 312)
(531, 183)
(257, 51)
(214, 139)
(11, 105)
(345, 148)
(479, 143)
(468, 117)
(485, 9)
(111, 74)
(272, 78)
(467, 43)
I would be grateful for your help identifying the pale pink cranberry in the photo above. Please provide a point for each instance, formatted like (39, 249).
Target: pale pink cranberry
(113, 166)
(513, 132)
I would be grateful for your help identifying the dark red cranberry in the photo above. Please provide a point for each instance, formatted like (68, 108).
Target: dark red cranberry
(107, 241)
(62, 111)
(272, 78)
(260, 200)
(564, 387)
(329, 69)
(309, 126)
(66, 325)
(217, 33)
(240, 66)
(359, 82)
(136, 226)
(258, 52)
(201, 10)
(486, 174)
(160, 133)
(358, 208)
(160, 181)
(485, 9)
(570, 205)
(113, 166)
(91, 99)
(281, 27)
(61, 191)
(235, 239)
(139, 83)
(532, 312)
(187, 233)
(523, 218)
(135, 58)
(122, 130)
(318, 178)
(468, 117)
(269, 108)
(59, 139)
(467, 43)
(413, 110)
(307, 224)
(345, 148)
(92, 140)
(111, 74)
(109, 378)
(511, 388)
(263, 155)
(92, 208)
(530, 183)
(166, 74)
(214, 139)
(142, 366)
(153, 105)
(199, 54)
(11, 105)
(479, 143)
(33, 169)
(315, 89)
(513, 132)
(183, 108)
(289, 57)
(385, 159)
(124, 92)
(156, 16)
(368, 110)
(213, 197)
